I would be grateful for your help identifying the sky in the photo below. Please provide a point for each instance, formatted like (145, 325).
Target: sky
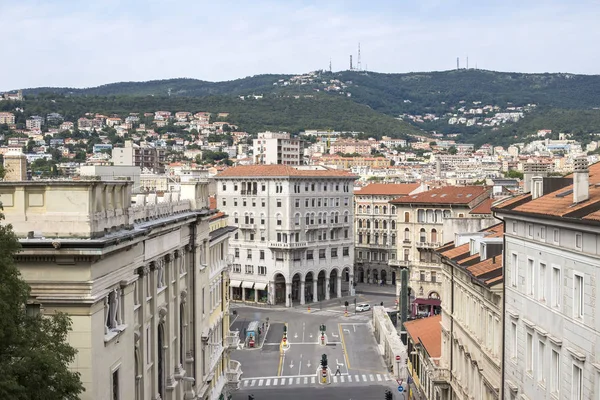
(78, 43)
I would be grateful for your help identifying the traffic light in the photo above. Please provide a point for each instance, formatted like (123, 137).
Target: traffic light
(284, 328)
(346, 303)
(324, 361)
(250, 397)
(388, 395)
(322, 328)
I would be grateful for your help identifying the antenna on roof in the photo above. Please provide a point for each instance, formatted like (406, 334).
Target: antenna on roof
(358, 65)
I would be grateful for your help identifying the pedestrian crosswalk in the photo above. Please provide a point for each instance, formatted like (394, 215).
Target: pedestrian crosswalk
(312, 380)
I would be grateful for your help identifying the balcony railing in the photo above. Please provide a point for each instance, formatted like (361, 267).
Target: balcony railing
(234, 372)
(233, 340)
(398, 263)
(295, 245)
(248, 192)
(247, 226)
(428, 245)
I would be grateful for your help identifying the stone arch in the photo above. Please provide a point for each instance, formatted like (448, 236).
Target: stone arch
(383, 276)
(309, 280)
(280, 287)
(361, 275)
(333, 282)
(433, 295)
(321, 282)
(296, 278)
(375, 275)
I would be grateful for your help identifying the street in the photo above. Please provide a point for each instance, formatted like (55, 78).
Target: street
(353, 356)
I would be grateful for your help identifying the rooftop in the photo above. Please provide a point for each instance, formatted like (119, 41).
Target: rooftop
(445, 195)
(398, 189)
(427, 331)
(259, 171)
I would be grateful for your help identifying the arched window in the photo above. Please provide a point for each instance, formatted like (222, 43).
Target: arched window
(368, 224)
(368, 210)
(312, 218)
(368, 238)
(279, 220)
(319, 218)
(438, 216)
(360, 237)
(297, 219)
(360, 223)
(337, 218)
(422, 235)
(308, 219)
(406, 217)
(384, 224)
(376, 238)
(447, 214)
(346, 217)
(393, 242)
(360, 209)
(433, 235)
(384, 240)
(394, 210)
(376, 209)
(393, 224)
(430, 216)
(421, 216)
(407, 234)
(376, 224)
(385, 209)
(235, 218)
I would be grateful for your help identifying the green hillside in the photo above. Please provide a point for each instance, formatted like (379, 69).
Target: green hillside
(270, 113)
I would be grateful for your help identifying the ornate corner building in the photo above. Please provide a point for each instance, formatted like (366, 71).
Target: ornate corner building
(144, 283)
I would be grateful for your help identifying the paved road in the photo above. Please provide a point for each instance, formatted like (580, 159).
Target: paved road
(375, 392)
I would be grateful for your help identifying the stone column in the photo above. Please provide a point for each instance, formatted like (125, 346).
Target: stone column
(339, 286)
(327, 279)
(255, 296)
(352, 282)
(243, 294)
(288, 294)
(302, 289)
(271, 292)
(315, 288)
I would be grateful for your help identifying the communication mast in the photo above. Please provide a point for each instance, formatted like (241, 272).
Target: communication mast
(350, 62)
(330, 64)
(358, 65)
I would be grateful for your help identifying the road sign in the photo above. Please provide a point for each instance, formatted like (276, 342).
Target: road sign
(397, 358)
(400, 389)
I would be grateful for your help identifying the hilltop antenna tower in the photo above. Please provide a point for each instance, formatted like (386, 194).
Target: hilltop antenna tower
(358, 65)
(329, 64)
(350, 62)
(467, 62)
(457, 63)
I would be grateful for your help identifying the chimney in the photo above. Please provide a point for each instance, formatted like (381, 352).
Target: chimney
(581, 180)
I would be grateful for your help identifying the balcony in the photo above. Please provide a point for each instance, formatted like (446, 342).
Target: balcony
(249, 192)
(234, 373)
(428, 245)
(233, 340)
(247, 226)
(398, 263)
(295, 245)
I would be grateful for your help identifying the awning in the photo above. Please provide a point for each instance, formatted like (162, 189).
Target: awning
(235, 283)
(260, 286)
(247, 285)
(428, 302)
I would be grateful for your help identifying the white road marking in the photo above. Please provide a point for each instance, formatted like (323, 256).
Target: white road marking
(364, 378)
(291, 381)
(379, 378)
(253, 382)
(334, 335)
(297, 381)
(371, 377)
(347, 330)
(260, 382)
(342, 378)
(275, 382)
(305, 380)
(349, 378)
(357, 378)
(312, 379)
(334, 379)
(268, 382)
(246, 383)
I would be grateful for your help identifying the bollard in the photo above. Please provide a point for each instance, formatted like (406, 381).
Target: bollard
(308, 308)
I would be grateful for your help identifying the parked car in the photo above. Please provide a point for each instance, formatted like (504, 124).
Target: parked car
(363, 307)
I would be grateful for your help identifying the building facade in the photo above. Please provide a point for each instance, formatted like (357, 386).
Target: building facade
(295, 239)
(470, 366)
(375, 230)
(552, 270)
(143, 285)
(277, 148)
(7, 118)
(151, 158)
(420, 222)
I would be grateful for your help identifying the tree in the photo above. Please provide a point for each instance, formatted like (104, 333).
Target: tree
(34, 354)
(513, 173)
(452, 150)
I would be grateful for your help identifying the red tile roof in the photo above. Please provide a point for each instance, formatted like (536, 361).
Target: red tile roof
(485, 207)
(398, 189)
(445, 195)
(281, 171)
(427, 331)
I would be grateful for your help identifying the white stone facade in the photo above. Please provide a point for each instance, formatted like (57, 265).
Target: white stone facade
(295, 239)
(277, 148)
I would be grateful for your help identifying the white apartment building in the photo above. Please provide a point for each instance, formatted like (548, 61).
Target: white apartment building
(34, 123)
(420, 222)
(144, 285)
(277, 148)
(295, 239)
(375, 230)
(552, 270)
(470, 365)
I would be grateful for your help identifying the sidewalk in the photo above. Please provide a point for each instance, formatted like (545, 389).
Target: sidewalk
(373, 288)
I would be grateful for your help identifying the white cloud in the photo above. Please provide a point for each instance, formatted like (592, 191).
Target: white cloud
(90, 45)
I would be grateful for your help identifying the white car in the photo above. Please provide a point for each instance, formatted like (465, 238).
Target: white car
(363, 307)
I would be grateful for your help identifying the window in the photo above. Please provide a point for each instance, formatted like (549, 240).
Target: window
(249, 269)
(237, 268)
(555, 373)
(278, 220)
(421, 276)
(529, 354)
(543, 233)
(321, 253)
(262, 202)
(556, 235)
(262, 270)
(249, 254)
(530, 230)
(334, 252)
(345, 233)
(433, 276)
(578, 240)
(224, 187)
(346, 251)
(541, 364)
(577, 390)
(236, 236)
(251, 236)
(244, 202)
(530, 276)
(514, 270)
(235, 187)
(346, 201)
(297, 203)
(578, 293)
(556, 287)
(278, 202)
(262, 255)
(115, 385)
(309, 254)
(513, 334)
(235, 203)
(224, 202)
(542, 282)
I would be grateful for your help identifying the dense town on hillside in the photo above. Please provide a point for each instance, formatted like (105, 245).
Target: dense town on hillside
(208, 255)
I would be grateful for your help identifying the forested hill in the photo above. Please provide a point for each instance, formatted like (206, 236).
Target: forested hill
(391, 94)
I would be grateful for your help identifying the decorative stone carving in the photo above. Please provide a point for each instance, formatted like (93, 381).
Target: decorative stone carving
(184, 296)
(56, 244)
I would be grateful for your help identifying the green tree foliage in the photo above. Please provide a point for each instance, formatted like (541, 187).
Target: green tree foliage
(34, 354)
(513, 173)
